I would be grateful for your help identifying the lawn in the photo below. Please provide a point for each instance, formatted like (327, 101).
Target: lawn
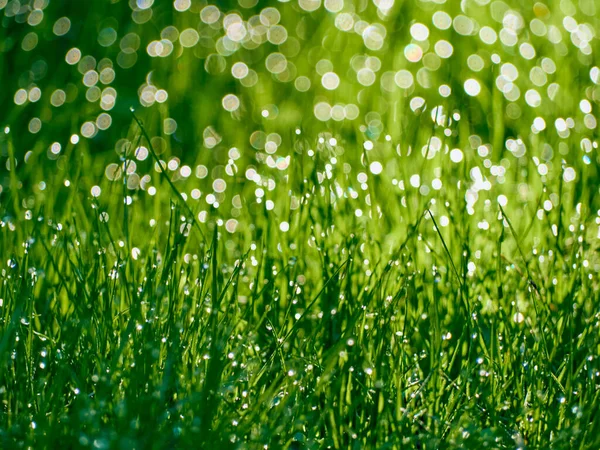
(300, 224)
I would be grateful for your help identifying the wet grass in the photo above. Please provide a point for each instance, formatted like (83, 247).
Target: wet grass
(423, 275)
(335, 334)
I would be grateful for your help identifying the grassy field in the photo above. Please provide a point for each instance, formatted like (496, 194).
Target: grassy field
(304, 225)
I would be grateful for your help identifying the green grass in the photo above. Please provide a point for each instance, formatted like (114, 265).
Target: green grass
(294, 294)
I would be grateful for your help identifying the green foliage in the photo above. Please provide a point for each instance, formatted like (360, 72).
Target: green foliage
(299, 225)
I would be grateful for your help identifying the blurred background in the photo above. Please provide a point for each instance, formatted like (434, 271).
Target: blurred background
(242, 98)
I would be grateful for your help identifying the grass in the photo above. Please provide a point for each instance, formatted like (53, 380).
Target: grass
(303, 297)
